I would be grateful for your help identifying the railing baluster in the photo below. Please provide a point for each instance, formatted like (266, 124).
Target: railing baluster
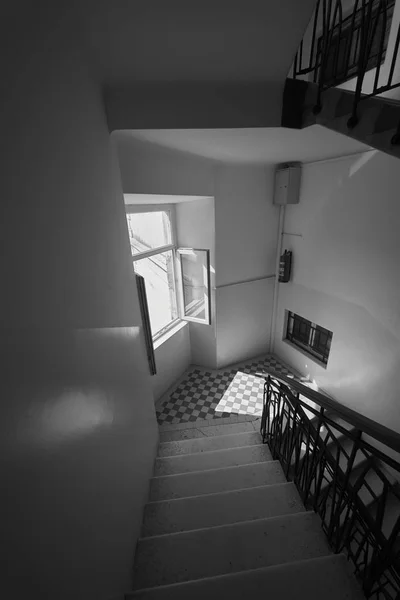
(362, 61)
(382, 5)
(314, 33)
(394, 57)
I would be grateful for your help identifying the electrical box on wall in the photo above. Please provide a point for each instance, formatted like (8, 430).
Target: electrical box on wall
(285, 266)
(287, 184)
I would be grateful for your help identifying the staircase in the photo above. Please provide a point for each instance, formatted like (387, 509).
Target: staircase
(222, 521)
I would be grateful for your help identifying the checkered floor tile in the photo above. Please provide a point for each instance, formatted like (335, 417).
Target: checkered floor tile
(214, 394)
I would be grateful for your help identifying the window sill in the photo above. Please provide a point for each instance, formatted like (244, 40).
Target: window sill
(305, 353)
(175, 327)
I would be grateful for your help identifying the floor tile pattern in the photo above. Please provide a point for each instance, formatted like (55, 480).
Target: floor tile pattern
(205, 394)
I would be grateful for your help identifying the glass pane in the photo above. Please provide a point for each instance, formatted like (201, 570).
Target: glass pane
(149, 230)
(160, 288)
(195, 275)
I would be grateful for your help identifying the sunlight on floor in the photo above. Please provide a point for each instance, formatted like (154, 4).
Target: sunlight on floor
(244, 396)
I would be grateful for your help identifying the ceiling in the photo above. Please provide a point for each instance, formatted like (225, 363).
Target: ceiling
(180, 40)
(271, 145)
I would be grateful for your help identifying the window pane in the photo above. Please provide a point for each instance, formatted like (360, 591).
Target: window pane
(195, 276)
(149, 230)
(160, 288)
(301, 329)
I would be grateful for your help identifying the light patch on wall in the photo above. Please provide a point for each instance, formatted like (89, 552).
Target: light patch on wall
(75, 413)
(363, 160)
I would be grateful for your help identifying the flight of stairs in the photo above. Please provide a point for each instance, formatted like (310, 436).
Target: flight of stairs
(222, 522)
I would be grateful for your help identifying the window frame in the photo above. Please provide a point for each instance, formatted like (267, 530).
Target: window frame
(207, 306)
(310, 347)
(172, 247)
(176, 265)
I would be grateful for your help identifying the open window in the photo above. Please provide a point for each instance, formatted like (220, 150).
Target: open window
(194, 288)
(177, 280)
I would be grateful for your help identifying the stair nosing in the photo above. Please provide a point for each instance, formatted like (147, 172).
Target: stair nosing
(248, 489)
(241, 572)
(260, 462)
(211, 437)
(210, 452)
(238, 524)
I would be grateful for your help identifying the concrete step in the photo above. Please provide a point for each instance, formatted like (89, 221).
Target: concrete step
(202, 461)
(226, 479)
(201, 430)
(197, 512)
(327, 577)
(207, 444)
(178, 557)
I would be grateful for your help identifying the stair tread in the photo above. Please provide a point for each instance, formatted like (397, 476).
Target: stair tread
(325, 577)
(183, 485)
(177, 557)
(206, 444)
(210, 510)
(211, 460)
(202, 431)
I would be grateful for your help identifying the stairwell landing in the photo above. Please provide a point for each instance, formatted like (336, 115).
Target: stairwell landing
(222, 521)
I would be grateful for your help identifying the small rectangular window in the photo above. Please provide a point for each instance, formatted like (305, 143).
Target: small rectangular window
(312, 338)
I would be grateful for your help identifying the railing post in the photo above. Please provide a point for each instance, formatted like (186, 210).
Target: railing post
(346, 482)
(362, 60)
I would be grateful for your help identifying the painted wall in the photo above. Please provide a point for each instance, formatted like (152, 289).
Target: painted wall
(244, 314)
(195, 226)
(246, 235)
(246, 225)
(77, 426)
(173, 357)
(193, 105)
(346, 278)
(150, 169)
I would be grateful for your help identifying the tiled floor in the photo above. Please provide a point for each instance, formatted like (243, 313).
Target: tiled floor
(206, 394)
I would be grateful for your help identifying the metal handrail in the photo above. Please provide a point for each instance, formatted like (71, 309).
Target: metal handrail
(346, 47)
(340, 475)
(379, 432)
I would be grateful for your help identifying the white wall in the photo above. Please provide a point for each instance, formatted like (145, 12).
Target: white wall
(78, 428)
(150, 169)
(246, 234)
(193, 105)
(244, 320)
(173, 357)
(195, 225)
(346, 278)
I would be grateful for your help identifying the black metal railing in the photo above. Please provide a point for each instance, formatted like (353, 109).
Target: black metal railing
(340, 47)
(326, 450)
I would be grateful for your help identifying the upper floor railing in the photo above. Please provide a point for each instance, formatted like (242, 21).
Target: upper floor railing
(360, 44)
(346, 469)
